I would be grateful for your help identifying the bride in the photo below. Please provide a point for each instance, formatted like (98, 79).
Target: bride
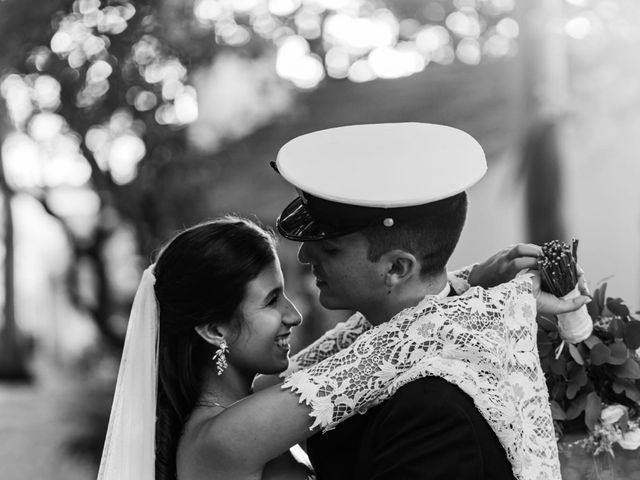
(209, 316)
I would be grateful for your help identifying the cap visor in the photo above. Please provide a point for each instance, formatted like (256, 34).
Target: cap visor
(296, 223)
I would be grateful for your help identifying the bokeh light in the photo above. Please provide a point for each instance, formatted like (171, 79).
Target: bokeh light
(312, 39)
(468, 51)
(283, 8)
(295, 62)
(355, 30)
(578, 27)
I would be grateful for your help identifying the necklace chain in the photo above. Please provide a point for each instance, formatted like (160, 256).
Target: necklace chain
(204, 403)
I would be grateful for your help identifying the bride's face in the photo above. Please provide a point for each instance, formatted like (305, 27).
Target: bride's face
(266, 317)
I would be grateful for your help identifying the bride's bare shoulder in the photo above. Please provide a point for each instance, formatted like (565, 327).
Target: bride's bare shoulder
(203, 455)
(201, 452)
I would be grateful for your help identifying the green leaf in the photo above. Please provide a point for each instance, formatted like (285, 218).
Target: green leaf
(558, 390)
(576, 407)
(578, 374)
(572, 389)
(601, 293)
(619, 353)
(557, 413)
(575, 354)
(559, 366)
(577, 379)
(592, 341)
(633, 393)
(617, 328)
(629, 369)
(617, 307)
(584, 350)
(545, 363)
(596, 306)
(592, 309)
(545, 345)
(592, 410)
(632, 334)
(600, 354)
(624, 421)
(547, 323)
(628, 387)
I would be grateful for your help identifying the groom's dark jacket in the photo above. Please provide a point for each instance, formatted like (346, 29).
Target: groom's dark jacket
(428, 430)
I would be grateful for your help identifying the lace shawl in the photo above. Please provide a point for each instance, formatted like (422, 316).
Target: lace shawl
(483, 341)
(345, 333)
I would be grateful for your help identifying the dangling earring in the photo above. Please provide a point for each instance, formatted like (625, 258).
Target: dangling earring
(220, 357)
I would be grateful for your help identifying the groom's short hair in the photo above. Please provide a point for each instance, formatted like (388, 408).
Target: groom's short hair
(432, 237)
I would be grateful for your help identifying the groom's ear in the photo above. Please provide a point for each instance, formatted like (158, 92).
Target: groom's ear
(400, 266)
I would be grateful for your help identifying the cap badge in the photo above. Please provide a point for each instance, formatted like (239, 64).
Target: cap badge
(388, 222)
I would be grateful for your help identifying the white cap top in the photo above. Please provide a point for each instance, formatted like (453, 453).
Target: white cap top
(385, 165)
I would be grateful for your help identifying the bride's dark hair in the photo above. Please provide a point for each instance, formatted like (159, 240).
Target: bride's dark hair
(201, 277)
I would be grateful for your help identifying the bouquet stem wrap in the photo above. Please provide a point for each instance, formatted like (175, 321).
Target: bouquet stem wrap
(576, 326)
(559, 272)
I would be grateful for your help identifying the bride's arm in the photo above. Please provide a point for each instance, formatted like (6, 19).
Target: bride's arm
(242, 439)
(245, 436)
(502, 266)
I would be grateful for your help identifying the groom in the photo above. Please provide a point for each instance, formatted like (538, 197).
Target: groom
(379, 212)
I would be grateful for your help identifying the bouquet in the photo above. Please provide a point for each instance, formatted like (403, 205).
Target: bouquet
(559, 272)
(594, 384)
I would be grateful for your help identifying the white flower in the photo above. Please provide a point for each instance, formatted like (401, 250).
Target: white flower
(612, 414)
(630, 440)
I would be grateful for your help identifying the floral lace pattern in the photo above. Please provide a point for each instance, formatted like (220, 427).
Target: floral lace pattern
(459, 279)
(345, 333)
(483, 341)
(334, 340)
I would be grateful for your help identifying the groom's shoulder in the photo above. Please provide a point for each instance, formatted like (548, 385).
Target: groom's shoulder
(433, 410)
(427, 397)
(427, 425)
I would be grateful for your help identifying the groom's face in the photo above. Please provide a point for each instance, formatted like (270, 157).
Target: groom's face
(347, 279)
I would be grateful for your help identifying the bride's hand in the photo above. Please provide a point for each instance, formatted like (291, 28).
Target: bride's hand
(504, 265)
(550, 304)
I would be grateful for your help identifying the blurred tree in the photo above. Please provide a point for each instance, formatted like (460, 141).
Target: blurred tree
(544, 63)
(107, 76)
(19, 22)
(13, 364)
